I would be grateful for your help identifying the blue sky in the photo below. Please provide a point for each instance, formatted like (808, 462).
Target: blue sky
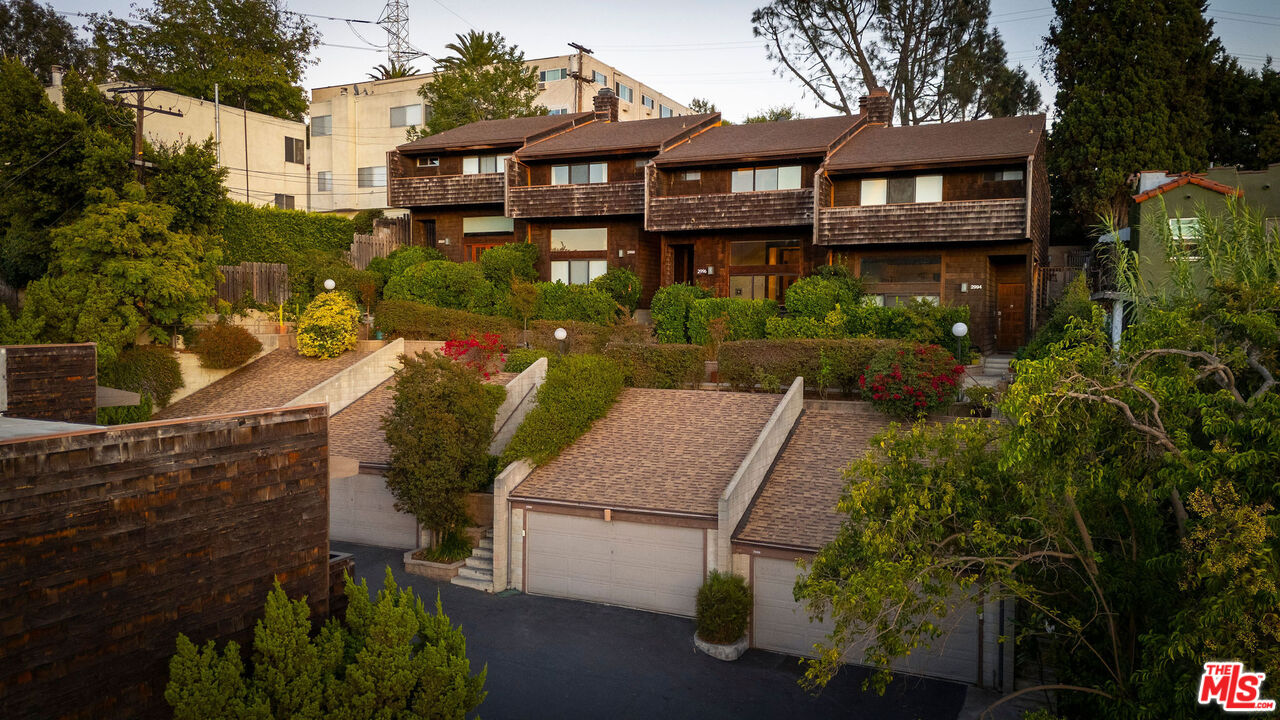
(682, 48)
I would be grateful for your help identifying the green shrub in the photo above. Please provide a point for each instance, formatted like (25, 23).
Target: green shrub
(224, 346)
(513, 260)
(416, 321)
(622, 285)
(308, 270)
(125, 414)
(776, 363)
(817, 295)
(519, 359)
(579, 390)
(745, 318)
(328, 326)
(920, 321)
(670, 311)
(362, 222)
(786, 328)
(911, 382)
(402, 259)
(557, 301)
(723, 606)
(454, 546)
(362, 285)
(1073, 305)
(266, 234)
(151, 370)
(658, 366)
(584, 337)
(442, 283)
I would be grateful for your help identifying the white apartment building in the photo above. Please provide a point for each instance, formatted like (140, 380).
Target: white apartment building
(354, 126)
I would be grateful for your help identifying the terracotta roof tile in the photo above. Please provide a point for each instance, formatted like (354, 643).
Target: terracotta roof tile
(788, 138)
(664, 450)
(880, 146)
(510, 133)
(1183, 180)
(270, 381)
(635, 135)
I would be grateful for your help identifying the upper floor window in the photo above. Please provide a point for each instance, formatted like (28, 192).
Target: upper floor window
(599, 78)
(901, 190)
(324, 181)
(373, 176)
(552, 75)
(908, 269)
(321, 125)
(691, 175)
(558, 111)
(487, 225)
(1001, 175)
(428, 162)
(646, 101)
(480, 164)
(625, 92)
(295, 151)
(664, 111)
(786, 177)
(406, 115)
(579, 239)
(579, 174)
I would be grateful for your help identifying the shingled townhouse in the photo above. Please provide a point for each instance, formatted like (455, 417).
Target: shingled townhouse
(955, 213)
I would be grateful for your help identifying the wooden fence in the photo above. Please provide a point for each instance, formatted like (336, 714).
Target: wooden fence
(264, 282)
(389, 234)
(10, 297)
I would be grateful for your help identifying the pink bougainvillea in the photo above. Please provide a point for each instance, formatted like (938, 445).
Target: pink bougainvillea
(483, 354)
(911, 382)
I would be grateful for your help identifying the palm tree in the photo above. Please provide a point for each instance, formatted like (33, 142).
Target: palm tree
(475, 49)
(392, 71)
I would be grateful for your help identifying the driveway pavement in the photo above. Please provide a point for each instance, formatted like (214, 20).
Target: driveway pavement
(553, 658)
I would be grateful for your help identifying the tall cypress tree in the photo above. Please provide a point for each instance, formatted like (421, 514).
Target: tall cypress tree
(1132, 82)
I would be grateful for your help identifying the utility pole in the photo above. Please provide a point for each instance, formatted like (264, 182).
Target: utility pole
(217, 123)
(244, 112)
(140, 110)
(578, 76)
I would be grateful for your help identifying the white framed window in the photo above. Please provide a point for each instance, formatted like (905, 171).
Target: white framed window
(373, 176)
(324, 181)
(552, 75)
(664, 111)
(599, 78)
(789, 177)
(577, 272)
(1184, 228)
(1002, 175)
(489, 224)
(579, 174)
(765, 178)
(625, 92)
(875, 191)
(481, 164)
(558, 111)
(406, 115)
(929, 188)
(579, 239)
(321, 125)
(428, 162)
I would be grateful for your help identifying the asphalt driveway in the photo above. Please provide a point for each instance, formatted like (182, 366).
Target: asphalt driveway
(552, 658)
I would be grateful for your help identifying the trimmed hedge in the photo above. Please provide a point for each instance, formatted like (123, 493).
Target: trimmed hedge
(224, 346)
(658, 366)
(266, 234)
(579, 390)
(919, 321)
(519, 359)
(502, 263)
(557, 301)
(746, 318)
(815, 296)
(150, 370)
(402, 259)
(416, 321)
(443, 283)
(774, 364)
(670, 311)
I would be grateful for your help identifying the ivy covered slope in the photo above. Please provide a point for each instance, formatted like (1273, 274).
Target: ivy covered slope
(579, 390)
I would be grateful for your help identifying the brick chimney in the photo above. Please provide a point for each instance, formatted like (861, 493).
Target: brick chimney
(606, 105)
(877, 106)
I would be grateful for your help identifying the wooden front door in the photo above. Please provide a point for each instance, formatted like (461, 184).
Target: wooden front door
(682, 262)
(1011, 315)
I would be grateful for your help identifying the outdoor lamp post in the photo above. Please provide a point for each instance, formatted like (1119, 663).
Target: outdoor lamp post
(329, 284)
(960, 330)
(560, 335)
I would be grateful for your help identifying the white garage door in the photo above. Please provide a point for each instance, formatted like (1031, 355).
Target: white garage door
(651, 567)
(782, 625)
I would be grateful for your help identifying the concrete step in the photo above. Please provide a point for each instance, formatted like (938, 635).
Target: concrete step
(475, 573)
(485, 543)
(480, 563)
(481, 585)
(489, 533)
(482, 553)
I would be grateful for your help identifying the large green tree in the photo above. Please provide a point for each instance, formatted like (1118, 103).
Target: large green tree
(255, 50)
(1132, 81)
(485, 79)
(1245, 107)
(391, 658)
(1127, 501)
(37, 36)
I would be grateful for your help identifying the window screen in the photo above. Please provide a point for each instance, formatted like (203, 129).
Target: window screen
(789, 177)
(902, 190)
(929, 188)
(406, 115)
(374, 176)
(579, 239)
(490, 224)
(321, 125)
(324, 181)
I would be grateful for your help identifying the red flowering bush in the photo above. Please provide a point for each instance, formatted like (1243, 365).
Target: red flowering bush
(484, 354)
(911, 382)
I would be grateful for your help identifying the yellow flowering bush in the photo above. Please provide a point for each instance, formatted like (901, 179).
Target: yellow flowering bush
(328, 326)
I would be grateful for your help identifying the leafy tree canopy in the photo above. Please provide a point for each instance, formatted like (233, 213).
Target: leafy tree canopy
(1246, 114)
(38, 37)
(774, 114)
(255, 50)
(702, 105)
(485, 79)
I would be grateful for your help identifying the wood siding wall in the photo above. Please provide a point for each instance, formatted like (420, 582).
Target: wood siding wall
(445, 191)
(715, 180)
(772, 208)
(944, 222)
(957, 185)
(629, 246)
(52, 382)
(448, 224)
(711, 250)
(595, 199)
(117, 540)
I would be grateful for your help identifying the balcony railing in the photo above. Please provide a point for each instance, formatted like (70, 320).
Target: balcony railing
(446, 190)
(959, 221)
(594, 199)
(767, 208)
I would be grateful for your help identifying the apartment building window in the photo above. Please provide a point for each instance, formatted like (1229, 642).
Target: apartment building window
(579, 174)
(552, 75)
(284, 202)
(664, 111)
(624, 92)
(558, 111)
(406, 115)
(766, 178)
(428, 162)
(646, 101)
(757, 254)
(599, 78)
(295, 151)
(920, 269)
(481, 164)
(321, 125)
(902, 190)
(1002, 175)
(488, 225)
(324, 181)
(375, 176)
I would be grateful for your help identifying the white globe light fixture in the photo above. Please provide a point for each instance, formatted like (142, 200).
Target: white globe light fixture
(329, 284)
(959, 329)
(561, 334)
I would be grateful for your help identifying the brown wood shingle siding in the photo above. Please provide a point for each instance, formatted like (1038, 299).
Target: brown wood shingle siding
(773, 208)
(52, 382)
(445, 190)
(595, 199)
(974, 221)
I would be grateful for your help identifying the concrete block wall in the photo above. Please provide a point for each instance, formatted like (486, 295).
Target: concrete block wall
(740, 491)
(352, 383)
(507, 534)
(364, 512)
(521, 397)
(196, 378)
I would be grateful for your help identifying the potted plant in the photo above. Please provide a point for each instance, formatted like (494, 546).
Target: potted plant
(723, 606)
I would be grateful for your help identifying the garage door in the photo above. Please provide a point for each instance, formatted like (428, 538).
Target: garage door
(781, 624)
(650, 567)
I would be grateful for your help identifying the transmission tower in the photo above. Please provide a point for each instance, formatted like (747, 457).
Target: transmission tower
(395, 20)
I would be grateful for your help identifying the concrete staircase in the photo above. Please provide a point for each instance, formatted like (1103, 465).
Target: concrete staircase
(477, 573)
